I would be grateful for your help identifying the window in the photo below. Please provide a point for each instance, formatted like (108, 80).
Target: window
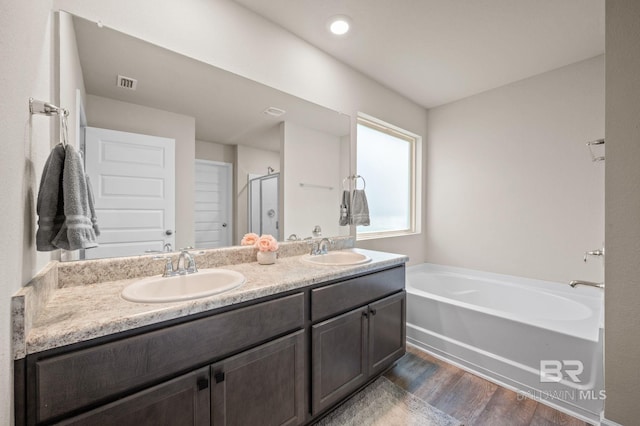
(387, 159)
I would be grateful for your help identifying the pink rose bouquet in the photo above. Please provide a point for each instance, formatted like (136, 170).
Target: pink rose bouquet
(249, 239)
(266, 243)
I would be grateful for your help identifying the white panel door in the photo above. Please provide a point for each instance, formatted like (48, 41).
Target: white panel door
(133, 179)
(212, 210)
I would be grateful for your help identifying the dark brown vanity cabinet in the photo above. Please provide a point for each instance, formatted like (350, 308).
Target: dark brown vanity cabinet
(283, 360)
(135, 372)
(351, 348)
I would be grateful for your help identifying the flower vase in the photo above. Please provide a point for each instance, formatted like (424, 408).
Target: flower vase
(267, 257)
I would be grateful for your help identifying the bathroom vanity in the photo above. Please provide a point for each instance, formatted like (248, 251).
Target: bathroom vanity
(285, 348)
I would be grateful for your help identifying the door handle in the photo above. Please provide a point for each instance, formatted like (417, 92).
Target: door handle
(168, 232)
(224, 225)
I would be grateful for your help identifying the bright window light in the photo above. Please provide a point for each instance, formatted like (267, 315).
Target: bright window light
(387, 160)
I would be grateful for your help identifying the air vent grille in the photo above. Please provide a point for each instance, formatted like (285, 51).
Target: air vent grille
(127, 82)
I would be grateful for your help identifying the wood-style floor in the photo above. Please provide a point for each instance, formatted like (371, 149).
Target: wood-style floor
(468, 398)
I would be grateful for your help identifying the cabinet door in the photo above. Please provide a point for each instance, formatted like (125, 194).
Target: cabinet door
(339, 359)
(387, 339)
(181, 401)
(262, 386)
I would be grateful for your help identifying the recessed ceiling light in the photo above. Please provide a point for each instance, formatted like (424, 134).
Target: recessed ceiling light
(339, 25)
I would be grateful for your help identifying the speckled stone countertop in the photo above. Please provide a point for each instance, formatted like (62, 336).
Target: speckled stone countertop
(78, 313)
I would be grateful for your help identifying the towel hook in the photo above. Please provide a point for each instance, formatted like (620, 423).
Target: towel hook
(364, 182)
(49, 109)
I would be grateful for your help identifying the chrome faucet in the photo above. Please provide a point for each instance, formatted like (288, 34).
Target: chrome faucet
(574, 283)
(320, 247)
(598, 252)
(186, 264)
(323, 245)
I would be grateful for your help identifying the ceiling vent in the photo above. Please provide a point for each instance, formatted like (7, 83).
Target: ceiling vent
(127, 82)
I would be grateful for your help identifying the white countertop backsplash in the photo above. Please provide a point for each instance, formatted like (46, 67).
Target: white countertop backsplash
(49, 314)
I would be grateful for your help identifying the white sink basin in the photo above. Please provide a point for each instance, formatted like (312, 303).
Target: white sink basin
(205, 282)
(338, 258)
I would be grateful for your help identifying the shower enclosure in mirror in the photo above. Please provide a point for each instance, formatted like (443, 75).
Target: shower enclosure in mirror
(212, 115)
(263, 205)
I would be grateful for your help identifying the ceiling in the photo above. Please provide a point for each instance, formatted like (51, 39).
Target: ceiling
(437, 51)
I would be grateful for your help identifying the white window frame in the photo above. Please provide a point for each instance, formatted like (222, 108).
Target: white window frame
(415, 190)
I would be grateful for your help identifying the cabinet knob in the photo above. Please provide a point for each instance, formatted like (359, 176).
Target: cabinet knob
(203, 384)
(219, 377)
(365, 314)
(373, 311)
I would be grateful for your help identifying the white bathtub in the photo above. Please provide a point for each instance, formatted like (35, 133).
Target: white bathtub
(501, 327)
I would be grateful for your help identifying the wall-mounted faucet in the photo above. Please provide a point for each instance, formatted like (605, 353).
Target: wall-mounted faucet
(598, 252)
(574, 283)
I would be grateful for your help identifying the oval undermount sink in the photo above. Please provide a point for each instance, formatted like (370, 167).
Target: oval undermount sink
(204, 283)
(338, 258)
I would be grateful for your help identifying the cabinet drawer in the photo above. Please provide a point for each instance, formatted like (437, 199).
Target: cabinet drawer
(340, 297)
(90, 376)
(181, 401)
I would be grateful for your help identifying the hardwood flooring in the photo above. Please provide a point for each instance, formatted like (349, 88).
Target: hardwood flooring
(468, 398)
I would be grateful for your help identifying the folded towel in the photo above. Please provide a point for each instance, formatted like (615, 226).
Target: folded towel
(359, 208)
(77, 231)
(50, 207)
(344, 208)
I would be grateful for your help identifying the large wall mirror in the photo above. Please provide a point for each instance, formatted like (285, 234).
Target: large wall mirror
(181, 153)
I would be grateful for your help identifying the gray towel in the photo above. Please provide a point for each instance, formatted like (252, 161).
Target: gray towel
(359, 208)
(50, 206)
(92, 209)
(345, 208)
(77, 231)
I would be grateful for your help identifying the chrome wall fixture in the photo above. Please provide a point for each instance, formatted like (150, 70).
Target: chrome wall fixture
(590, 145)
(313, 185)
(45, 108)
(355, 179)
(49, 109)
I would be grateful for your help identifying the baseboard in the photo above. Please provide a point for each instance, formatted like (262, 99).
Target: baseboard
(606, 422)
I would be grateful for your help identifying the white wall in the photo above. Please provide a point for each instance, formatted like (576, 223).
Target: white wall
(224, 34)
(622, 277)
(510, 184)
(249, 161)
(215, 152)
(310, 157)
(27, 70)
(107, 113)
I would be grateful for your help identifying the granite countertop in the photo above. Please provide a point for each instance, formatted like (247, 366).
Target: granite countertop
(79, 313)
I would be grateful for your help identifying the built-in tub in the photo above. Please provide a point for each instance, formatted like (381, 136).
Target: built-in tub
(503, 327)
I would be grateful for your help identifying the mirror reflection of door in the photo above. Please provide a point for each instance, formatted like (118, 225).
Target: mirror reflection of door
(134, 187)
(263, 205)
(212, 213)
